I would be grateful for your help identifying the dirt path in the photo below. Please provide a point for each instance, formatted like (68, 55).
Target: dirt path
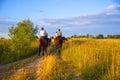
(11, 69)
(30, 70)
(31, 65)
(75, 75)
(72, 70)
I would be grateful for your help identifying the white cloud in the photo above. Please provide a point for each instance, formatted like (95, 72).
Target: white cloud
(54, 23)
(3, 18)
(5, 35)
(82, 21)
(113, 7)
(6, 18)
(105, 20)
(78, 23)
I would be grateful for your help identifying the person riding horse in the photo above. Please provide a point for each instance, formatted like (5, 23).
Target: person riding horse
(58, 40)
(43, 41)
(59, 33)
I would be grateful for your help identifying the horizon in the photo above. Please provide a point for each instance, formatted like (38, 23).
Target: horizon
(74, 17)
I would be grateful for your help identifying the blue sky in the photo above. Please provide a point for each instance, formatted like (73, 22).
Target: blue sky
(72, 16)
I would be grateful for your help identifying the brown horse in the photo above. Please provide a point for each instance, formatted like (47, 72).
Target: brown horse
(42, 46)
(58, 42)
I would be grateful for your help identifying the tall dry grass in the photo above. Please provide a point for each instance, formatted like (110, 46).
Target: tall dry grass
(94, 59)
(53, 68)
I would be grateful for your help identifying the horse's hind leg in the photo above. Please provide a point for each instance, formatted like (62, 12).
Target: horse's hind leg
(43, 51)
(39, 51)
(59, 49)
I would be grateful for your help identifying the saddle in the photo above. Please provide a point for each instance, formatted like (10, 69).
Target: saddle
(43, 40)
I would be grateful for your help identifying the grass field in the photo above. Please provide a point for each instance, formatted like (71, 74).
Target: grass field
(94, 59)
(91, 59)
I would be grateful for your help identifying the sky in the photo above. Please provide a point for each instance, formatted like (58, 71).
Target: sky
(78, 17)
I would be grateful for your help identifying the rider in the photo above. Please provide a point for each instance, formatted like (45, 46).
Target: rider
(59, 33)
(43, 34)
(55, 35)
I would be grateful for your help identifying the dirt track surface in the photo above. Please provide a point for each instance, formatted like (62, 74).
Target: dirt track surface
(31, 67)
(8, 69)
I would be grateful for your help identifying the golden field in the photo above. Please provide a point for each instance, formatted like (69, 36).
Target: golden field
(94, 59)
(90, 59)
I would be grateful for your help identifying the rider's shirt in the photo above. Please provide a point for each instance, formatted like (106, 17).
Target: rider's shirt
(59, 33)
(43, 33)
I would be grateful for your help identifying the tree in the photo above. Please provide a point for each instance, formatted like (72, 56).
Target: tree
(21, 35)
(89, 36)
(75, 36)
(116, 36)
(109, 36)
(99, 36)
(23, 29)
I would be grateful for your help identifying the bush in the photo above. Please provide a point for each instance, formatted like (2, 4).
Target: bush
(20, 43)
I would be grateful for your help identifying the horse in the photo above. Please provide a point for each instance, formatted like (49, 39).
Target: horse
(58, 43)
(64, 39)
(43, 43)
(49, 41)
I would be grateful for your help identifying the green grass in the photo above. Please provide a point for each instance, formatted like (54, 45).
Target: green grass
(8, 55)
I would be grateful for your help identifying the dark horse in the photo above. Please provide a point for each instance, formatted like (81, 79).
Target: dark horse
(42, 46)
(58, 42)
(64, 39)
(49, 41)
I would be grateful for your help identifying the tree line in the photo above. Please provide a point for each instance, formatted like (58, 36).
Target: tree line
(99, 36)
